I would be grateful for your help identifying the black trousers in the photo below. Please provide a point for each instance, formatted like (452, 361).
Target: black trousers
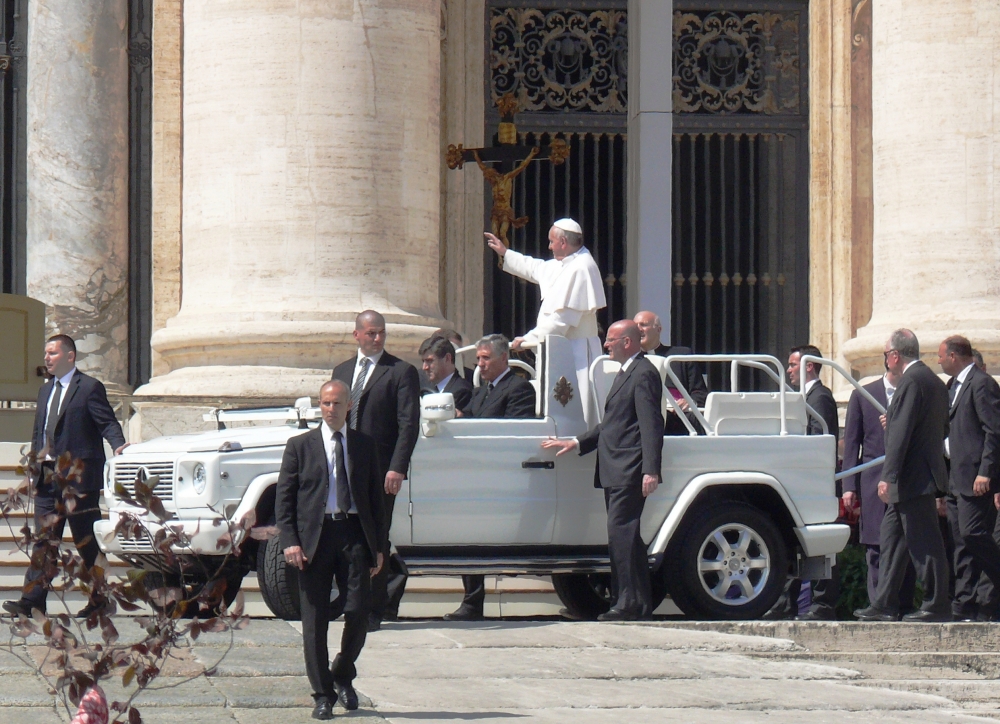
(342, 554)
(390, 583)
(475, 593)
(973, 520)
(910, 532)
(81, 525)
(906, 591)
(630, 585)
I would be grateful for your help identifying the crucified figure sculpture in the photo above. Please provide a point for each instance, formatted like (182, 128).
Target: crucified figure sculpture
(502, 187)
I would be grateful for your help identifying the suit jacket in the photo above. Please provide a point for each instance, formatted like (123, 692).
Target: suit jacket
(864, 440)
(916, 426)
(629, 440)
(85, 421)
(460, 389)
(512, 396)
(303, 489)
(689, 373)
(389, 408)
(821, 399)
(974, 437)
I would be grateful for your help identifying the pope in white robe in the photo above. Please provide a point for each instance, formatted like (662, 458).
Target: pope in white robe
(572, 292)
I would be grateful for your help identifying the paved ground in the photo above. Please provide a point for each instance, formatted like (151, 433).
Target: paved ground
(556, 671)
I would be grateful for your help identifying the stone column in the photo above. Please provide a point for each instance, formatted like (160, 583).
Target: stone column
(650, 139)
(311, 180)
(77, 177)
(936, 148)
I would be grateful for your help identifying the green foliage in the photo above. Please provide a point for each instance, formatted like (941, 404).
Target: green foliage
(853, 581)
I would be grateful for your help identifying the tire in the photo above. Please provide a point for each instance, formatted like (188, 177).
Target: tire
(588, 595)
(279, 582)
(705, 586)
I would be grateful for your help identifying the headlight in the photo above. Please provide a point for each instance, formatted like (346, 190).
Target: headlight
(200, 479)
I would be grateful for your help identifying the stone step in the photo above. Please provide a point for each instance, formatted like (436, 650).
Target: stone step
(850, 636)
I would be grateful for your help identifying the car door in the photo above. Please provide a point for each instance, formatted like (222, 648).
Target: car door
(483, 483)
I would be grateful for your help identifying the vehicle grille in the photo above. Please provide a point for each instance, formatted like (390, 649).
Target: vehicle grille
(135, 545)
(125, 474)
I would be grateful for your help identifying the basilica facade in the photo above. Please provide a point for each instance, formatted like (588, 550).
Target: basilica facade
(206, 193)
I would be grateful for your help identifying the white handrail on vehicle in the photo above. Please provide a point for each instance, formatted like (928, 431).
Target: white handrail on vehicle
(843, 373)
(859, 468)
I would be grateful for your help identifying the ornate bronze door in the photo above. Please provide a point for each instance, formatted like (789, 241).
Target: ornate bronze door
(566, 62)
(740, 259)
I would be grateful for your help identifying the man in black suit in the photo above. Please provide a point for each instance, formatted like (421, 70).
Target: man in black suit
(913, 473)
(438, 357)
(385, 399)
(689, 373)
(825, 592)
(864, 440)
(629, 444)
(502, 394)
(973, 445)
(72, 416)
(455, 338)
(332, 525)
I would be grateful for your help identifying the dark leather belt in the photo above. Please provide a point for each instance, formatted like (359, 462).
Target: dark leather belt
(339, 515)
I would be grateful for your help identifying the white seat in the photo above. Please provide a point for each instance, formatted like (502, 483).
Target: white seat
(755, 413)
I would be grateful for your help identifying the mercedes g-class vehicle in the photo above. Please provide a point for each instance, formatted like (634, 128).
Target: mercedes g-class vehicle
(743, 502)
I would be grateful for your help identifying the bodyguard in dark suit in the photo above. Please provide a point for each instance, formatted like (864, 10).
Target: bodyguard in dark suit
(689, 372)
(502, 394)
(332, 526)
(437, 355)
(385, 399)
(974, 447)
(825, 592)
(913, 473)
(72, 416)
(629, 444)
(864, 441)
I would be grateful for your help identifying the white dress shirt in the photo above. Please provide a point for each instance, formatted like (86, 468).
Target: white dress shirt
(331, 467)
(373, 360)
(64, 381)
(809, 385)
(890, 390)
(444, 383)
(959, 381)
(629, 361)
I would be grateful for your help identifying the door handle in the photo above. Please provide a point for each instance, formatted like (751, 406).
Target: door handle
(541, 464)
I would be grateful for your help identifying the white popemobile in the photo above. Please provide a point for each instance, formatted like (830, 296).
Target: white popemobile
(737, 509)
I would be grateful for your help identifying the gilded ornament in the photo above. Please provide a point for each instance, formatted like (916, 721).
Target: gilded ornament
(563, 391)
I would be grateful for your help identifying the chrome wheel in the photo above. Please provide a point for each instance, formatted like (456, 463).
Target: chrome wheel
(734, 564)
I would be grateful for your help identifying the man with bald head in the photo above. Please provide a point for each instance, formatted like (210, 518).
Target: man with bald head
(629, 444)
(385, 405)
(572, 292)
(689, 373)
(329, 513)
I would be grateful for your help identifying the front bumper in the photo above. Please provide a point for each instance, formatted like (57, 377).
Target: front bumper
(197, 537)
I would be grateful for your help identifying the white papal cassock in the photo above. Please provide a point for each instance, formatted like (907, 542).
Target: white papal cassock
(572, 292)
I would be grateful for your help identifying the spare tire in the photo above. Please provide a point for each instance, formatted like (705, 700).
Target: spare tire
(279, 582)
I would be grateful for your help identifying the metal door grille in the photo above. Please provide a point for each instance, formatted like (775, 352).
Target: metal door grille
(590, 187)
(740, 243)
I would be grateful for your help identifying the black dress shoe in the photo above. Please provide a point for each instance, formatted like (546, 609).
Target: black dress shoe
(464, 614)
(821, 615)
(390, 616)
(778, 614)
(346, 695)
(19, 608)
(323, 709)
(90, 608)
(875, 614)
(566, 613)
(617, 615)
(927, 617)
(374, 623)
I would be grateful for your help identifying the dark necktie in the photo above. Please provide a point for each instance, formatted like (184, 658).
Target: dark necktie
(343, 486)
(50, 424)
(359, 386)
(489, 390)
(953, 393)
